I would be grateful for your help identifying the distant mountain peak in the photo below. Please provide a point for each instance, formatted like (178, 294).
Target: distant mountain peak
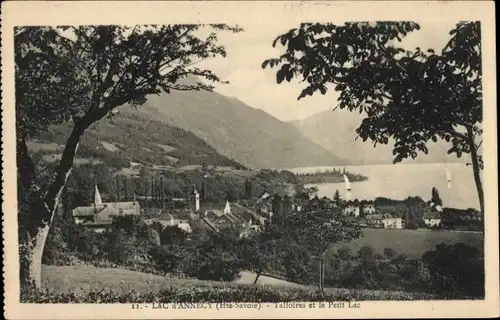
(336, 132)
(240, 132)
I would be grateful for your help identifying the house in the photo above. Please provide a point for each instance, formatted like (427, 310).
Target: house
(393, 223)
(178, 219)
(247, 215)
(362, 223)
(103, 213)
(351, 209)
(384, 221)
(220, 220)
(369, 208)
(231, 216)
(264, 208)
(374, 221)
(432, 219)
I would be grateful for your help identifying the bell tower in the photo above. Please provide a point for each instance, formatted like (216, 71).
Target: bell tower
(196, 200)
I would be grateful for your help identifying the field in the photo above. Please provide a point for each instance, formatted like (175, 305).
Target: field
(413, 243)
(80, 280)
(87, 278)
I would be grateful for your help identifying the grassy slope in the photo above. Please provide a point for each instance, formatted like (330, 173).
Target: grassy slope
(130, 137)
(411, 242)
(80, 279)
(85, 278)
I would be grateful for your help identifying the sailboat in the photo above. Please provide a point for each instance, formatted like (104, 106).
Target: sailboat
(347, 188)
(448, 177)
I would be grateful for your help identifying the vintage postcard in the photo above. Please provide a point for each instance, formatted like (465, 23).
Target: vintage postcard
(253, 159)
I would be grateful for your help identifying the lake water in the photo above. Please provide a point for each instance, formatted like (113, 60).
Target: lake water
(403, 180)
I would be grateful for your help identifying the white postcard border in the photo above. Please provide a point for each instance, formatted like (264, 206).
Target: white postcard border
(156, 12)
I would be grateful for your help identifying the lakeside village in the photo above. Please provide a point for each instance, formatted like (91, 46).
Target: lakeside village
(251, 216)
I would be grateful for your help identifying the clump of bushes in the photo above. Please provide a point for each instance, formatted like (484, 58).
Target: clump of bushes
(212, 294)
(132, 244)
(453, 271)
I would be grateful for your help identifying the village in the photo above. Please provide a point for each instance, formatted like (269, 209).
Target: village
(172, 163)
(247, 217)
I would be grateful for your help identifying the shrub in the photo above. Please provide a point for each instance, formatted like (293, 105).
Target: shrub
(167, 258)
(68, 243)
(456, 270)
(212, 293)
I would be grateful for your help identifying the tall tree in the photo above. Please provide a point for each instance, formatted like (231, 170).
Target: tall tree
(125, 188)
(81, 74)
(286, 211)
(436, 199)
(408, 97)
(317, 229)
(118, 187)
(337, 199)
(203, 191)
(248, 189)
(277, 207)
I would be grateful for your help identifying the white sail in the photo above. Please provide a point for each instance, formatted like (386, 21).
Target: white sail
(347, 183)
(448, 177)
(347, 188)
(97, 196)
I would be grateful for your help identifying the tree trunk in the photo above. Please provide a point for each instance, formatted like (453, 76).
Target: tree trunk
(321, 277)
(40, 209)
(257, 277)
(32, 268)
(476, 169)
(320, 267)
(324, 272)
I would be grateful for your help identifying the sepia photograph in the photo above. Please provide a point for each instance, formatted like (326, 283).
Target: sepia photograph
(265, 165)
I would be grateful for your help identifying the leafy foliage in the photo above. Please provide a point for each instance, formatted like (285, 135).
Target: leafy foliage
(82, 74)
(330, 176)
(336, 198)
(216, 258)
(456, 270)
(102, 67)
(436, 271)
(411, 97)
(436, 199)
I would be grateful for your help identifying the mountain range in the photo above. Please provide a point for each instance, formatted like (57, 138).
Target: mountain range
(191, 128)
(336, 132)
(237, 131)
(130, 138)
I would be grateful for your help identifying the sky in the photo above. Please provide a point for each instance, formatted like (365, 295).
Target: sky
(257, 87)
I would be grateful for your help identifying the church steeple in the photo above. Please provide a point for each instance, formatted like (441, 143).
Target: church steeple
(97, 196)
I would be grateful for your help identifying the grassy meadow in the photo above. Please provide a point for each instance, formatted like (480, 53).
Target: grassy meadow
(412, 243)
(81, 283)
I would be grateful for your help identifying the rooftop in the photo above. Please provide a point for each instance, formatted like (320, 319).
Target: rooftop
(432, 215)
(379, 217)
(109, 207)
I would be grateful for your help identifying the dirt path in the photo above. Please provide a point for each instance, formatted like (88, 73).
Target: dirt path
(248, 277)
